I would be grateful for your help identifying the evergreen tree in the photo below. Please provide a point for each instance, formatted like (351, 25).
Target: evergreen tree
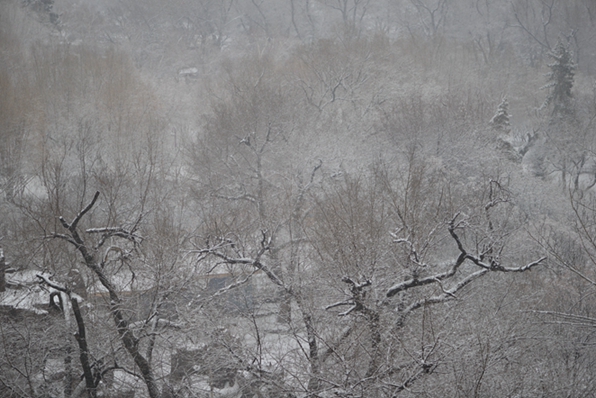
(560, 81)
(500, 121)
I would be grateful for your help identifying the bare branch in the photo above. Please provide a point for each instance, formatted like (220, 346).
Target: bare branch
(410, 283)
(76, 220)
(255, 262)
(355, 307)
(115, 231)
(451, 229)
(62, 236)
(446, 296)
(494, 263)
(234, 285)
(339, 304)
(523, 268)
(248, 197)
(52, 284)
(571, 317)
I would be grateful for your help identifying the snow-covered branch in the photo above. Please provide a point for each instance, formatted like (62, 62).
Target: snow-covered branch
(59, 287)
(64, 237)
(413, 282)
(339, 304)
(448, 294)
(160, 322)
(115, 231)
(356, 301)
(353, 307)
(234, 285)
(494, 264)
(245, 196)
(53, 284)
(414, 257)
(255, 262)
(73, 225)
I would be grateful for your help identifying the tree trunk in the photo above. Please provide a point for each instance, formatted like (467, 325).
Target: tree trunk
(375, 341)
(68, 379)
(2, 271)
(313, 353)
(81, 337)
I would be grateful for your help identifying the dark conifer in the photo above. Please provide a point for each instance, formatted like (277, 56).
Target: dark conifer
(560, 81)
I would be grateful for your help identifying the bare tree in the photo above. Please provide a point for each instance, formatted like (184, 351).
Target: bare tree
(130, 342)
(352, 11)
(353, 241)
(432, 15)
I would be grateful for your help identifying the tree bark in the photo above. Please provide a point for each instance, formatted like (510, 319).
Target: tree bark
(81, 338)
(2, 271)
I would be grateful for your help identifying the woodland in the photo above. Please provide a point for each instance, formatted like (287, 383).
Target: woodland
(297, 198)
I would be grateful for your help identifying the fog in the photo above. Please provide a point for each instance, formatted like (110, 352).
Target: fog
(297, 198)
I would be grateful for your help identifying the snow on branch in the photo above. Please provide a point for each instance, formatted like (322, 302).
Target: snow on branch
(494, 264)
(73, 225)
(414, 257)
(437, 278)
(59, 287)
(52, 284)
(234, 285)
(449, 293)
(355, 302)
(356, 287)
(62, 236)
(245, 196)
(255, 262)
(115, 231)
(160, 322)
(339, 304)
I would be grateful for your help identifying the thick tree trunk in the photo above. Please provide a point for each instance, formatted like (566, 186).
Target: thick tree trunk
(81, 338)
(68, 376)
(375, 341)
(313, 353)
(2, 271)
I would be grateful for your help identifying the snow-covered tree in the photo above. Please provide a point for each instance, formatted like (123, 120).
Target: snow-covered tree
(560, 81)
(500, 120)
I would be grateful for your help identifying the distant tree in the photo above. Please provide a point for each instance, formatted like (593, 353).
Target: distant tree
(535, 20)
(500, 120)
(431, 15)
(566, 141)
(352, 12)
(560, 81)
